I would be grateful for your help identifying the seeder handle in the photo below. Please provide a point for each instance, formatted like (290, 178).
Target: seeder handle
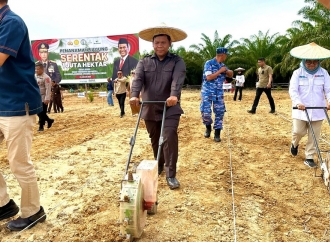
(133, 138)
(312, 108)
(324, 108)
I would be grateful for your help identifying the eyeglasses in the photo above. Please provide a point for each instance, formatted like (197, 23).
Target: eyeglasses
(133, 72)
(314, 62)
(119, 73)
(262, 72)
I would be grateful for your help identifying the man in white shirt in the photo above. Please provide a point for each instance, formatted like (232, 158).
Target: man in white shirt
(309, 84)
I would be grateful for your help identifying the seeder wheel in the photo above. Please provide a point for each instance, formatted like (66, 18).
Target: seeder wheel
(325, 172)
(153, 209)
(132, 214)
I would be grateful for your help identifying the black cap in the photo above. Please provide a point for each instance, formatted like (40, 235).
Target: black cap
(123, 41)
(43, 46)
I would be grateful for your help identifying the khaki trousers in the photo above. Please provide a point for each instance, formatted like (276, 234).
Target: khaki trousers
(300, 128)
(18, 132)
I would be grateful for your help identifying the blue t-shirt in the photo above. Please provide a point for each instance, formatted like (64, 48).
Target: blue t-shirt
(19, 91)
(110, 86)
(213, 89)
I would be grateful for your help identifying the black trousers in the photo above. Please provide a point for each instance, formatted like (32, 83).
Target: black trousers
(170, 148)
(268, 92)
(50, 105)
(240, 93)
(43, 117)
(58, 106)
(121, 100)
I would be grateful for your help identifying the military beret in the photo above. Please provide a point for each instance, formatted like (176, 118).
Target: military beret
(43, 46)
(222, 50)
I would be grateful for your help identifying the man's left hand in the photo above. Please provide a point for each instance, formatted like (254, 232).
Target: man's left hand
(269, 85)
(171, 101)
(46, 102)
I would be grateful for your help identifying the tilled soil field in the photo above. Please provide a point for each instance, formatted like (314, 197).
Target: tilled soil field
(80, 162)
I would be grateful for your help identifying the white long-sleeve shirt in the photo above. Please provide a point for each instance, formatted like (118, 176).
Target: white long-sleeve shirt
(309, 90)
(240, 79)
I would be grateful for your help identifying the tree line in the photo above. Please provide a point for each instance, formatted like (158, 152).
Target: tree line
(315, 27)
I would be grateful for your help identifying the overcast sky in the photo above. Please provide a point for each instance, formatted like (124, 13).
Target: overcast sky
(84, 18)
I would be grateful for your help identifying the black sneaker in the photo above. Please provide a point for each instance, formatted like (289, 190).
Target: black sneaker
(272, 111)
(294, 151)
(251, 111)
(22, 223)
(9, 210)
(310, 163)
(50, 123)
(173, 183)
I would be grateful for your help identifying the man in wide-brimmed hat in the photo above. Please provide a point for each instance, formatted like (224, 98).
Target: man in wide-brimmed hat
(159, 77)
(308, 86)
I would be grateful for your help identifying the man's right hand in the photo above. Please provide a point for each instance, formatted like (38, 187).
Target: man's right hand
(222, 69)
(134, 101)
(301, 106)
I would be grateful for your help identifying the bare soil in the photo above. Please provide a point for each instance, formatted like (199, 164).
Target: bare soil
(80, 162)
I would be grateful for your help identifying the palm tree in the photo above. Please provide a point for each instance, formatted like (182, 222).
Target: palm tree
(207, 49)
(250, 49)
(194, 65)
(316, 29)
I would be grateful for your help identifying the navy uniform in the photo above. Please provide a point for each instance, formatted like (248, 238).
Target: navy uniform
(212, 94)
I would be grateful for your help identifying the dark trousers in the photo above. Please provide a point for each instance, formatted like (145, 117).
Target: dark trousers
(121, 100)
(268, 92)
(50, 105)
(240, 93)
(58, 107)
(43, 117)
(170, 148)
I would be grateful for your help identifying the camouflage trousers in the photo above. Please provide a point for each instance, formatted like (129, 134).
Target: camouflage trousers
(218, 109)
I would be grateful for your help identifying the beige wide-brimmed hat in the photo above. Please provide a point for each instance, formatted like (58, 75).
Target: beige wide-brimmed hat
(174, 33)
(239, 69)
(310, 51)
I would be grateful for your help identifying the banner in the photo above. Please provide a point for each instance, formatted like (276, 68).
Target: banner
(89, 59)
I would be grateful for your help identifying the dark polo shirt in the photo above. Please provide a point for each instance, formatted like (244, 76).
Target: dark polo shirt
(158, 80)
(19, 91)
